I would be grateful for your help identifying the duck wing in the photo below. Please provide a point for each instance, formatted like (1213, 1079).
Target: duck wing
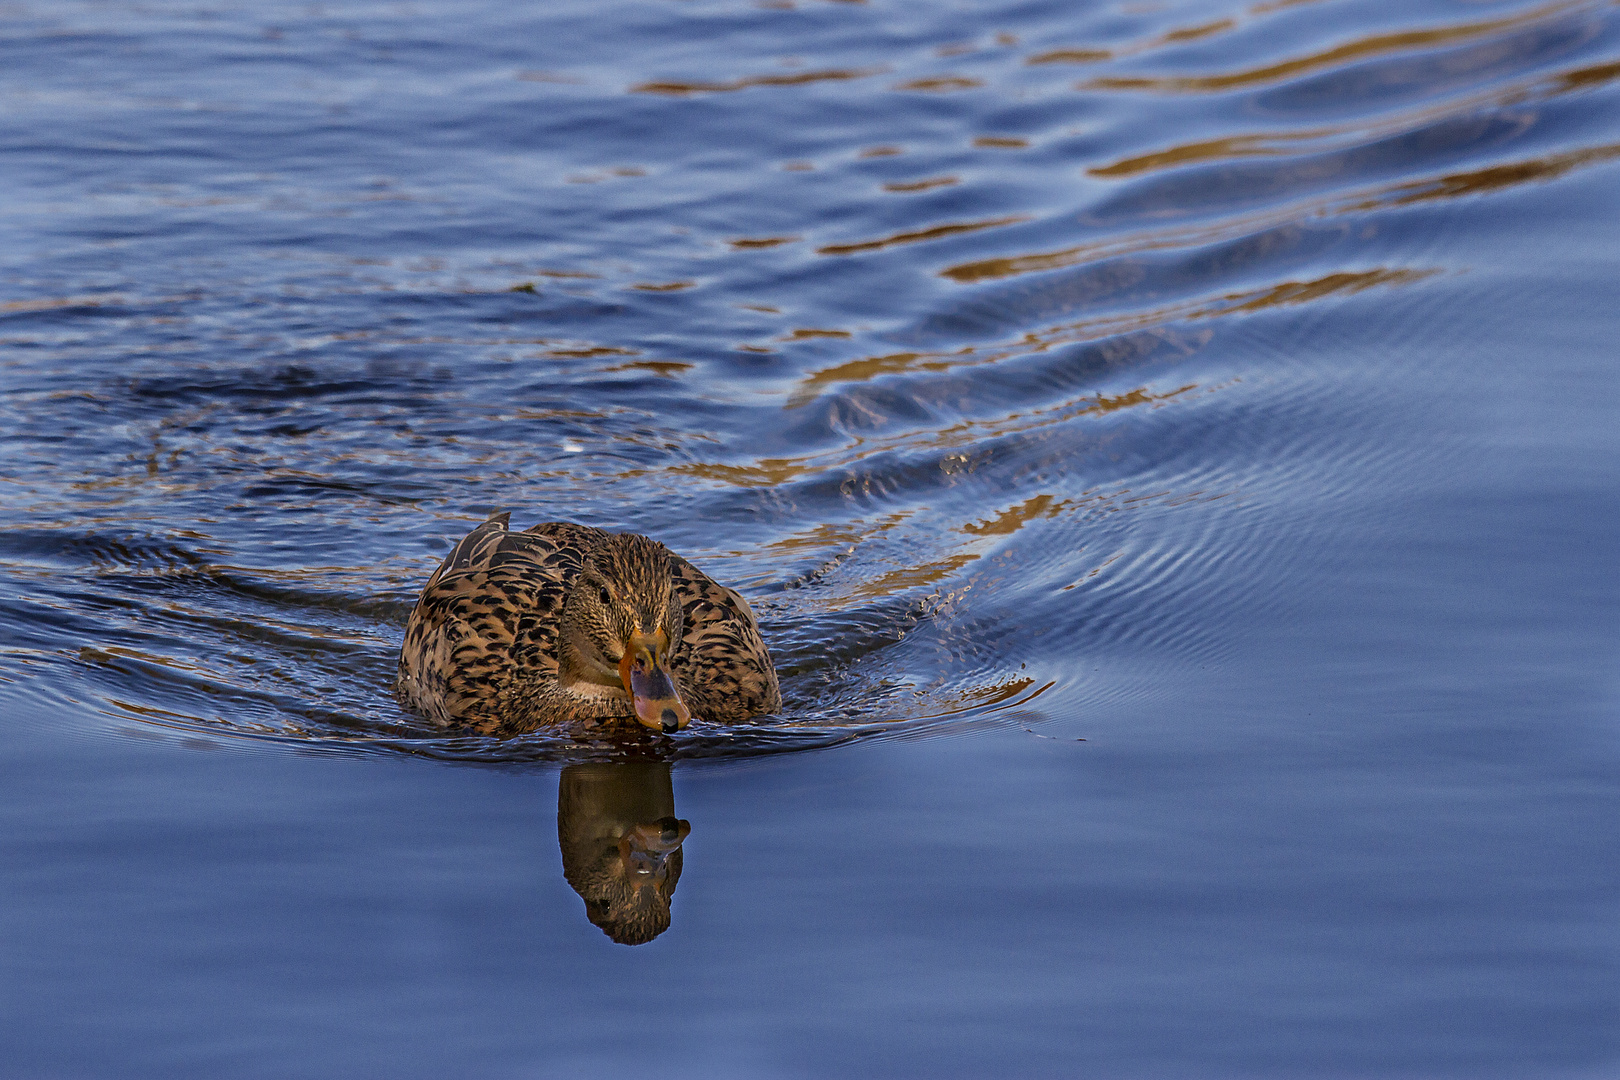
(481, 643)
(725, 671)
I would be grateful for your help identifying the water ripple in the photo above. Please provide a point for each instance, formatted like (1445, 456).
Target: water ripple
(995, 391)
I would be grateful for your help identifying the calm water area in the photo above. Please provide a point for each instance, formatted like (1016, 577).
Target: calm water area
(1171, 448)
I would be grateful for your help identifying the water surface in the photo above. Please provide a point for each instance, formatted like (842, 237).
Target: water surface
(1169, 449)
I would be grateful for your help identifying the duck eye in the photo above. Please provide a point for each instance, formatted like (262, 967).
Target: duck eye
(606, 597)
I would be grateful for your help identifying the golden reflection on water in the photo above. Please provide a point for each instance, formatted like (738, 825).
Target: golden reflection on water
(940, 84)
(1278, 5)
(1585, 78)
(768, 472)
(797, 78)
(589, 352)
(1153, 321)
(1179, 36)
(921, 185)
(806, 333)
(1268, 143)
(1361, 131)
(1115, 247)
(869, 367)
(1350, 52)
(1011, 520)
(749, 243)
(1381, 197)
(667, 369)
(911, 577)
(1301, 292)
(1071, 56)
(1480, 181)
(828, 535)
(917, 236)
(1193, 33)
(841, 543)
(1232, 146)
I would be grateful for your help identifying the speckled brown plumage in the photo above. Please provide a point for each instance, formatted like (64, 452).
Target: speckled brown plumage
(488, 637)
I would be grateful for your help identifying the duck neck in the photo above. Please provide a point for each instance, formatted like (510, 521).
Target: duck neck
(581, 669)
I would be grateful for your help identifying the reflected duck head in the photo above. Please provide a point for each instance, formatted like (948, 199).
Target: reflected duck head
(621, 625)
(622, 860)
(627, 891)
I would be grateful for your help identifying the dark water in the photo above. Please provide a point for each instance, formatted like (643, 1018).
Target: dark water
(1170, 447)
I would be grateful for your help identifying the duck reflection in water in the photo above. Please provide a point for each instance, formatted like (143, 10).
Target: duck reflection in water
(621, 845)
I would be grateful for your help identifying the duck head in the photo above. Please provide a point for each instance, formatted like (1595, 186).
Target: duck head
(620, 626)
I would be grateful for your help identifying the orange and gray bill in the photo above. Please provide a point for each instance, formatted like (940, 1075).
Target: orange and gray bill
(651, 687)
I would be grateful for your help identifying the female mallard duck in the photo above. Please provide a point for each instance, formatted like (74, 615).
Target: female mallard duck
(562, 622)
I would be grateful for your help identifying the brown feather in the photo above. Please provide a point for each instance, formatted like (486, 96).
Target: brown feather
(482, 645)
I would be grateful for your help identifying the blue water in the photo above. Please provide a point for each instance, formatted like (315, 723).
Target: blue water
(1170, 449)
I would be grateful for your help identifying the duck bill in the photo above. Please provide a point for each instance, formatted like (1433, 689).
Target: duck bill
(644, 851)
(647, 679)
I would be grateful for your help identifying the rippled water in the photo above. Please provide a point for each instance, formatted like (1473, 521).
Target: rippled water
(1171, 445)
